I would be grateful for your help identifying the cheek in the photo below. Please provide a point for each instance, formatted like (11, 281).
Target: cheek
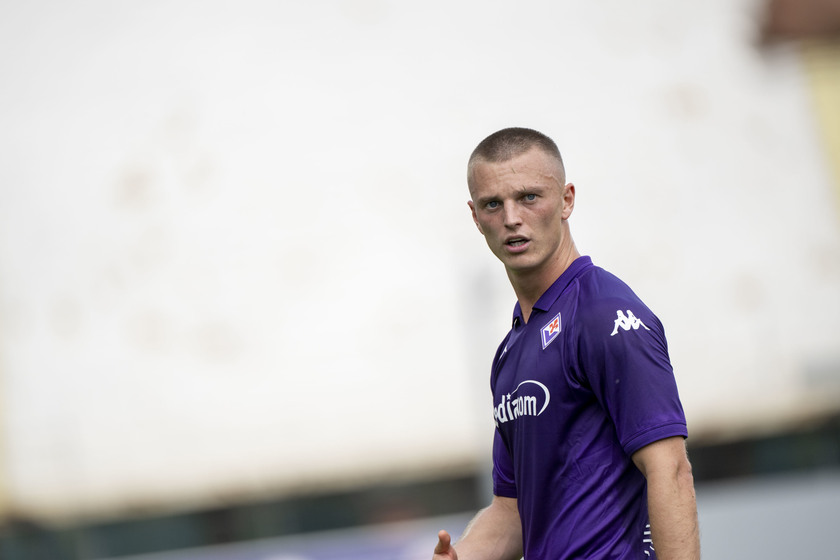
(486, 225)
(543, 218)
(551, 221)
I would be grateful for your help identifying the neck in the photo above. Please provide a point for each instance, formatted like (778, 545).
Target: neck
(529, 285)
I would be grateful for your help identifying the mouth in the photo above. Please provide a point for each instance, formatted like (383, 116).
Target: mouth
(515, 243)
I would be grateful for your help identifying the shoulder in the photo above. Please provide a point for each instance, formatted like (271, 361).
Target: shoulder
(606, 303)
(597, 283)
(600, 290)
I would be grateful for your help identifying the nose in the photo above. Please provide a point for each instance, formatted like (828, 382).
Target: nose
(512, 216)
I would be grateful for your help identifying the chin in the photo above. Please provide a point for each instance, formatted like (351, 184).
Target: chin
(520, 266)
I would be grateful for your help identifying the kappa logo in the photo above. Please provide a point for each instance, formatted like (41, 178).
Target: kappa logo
(550, 331)
(627, 322)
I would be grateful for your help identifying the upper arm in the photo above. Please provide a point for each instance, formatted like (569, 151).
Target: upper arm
(672, 504)
(495, 533)
(508, 526)
(508, 505)
(662, 457)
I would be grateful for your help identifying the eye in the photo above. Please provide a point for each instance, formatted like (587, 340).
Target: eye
(492, 205)
(530, 197)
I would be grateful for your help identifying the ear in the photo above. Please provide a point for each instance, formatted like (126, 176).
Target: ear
(474, 217)
(568, 200)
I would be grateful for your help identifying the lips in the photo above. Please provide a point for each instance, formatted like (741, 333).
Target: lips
(516, 244)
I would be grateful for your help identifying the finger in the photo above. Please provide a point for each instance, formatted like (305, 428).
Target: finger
(444, 542)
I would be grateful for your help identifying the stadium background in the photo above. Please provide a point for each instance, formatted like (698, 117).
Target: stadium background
(244, 312)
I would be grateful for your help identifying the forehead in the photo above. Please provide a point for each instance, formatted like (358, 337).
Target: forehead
(532, 168)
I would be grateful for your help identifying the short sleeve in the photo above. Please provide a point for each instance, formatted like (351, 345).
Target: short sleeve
(622, 356)
(504, 483)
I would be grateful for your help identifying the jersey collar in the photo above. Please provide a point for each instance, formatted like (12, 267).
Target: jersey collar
(553, 292)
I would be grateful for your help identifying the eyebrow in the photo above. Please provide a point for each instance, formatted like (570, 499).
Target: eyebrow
(523, 189)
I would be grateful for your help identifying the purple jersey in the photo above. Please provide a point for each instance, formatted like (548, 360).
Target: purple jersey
(577, 390)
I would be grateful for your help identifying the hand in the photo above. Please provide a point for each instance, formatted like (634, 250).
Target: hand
(444, 549)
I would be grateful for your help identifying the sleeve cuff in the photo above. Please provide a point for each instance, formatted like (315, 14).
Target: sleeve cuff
(654, 434)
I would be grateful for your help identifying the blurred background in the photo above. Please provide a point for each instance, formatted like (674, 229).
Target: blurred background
(245, 314)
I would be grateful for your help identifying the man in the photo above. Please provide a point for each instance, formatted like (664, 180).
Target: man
(589, 458)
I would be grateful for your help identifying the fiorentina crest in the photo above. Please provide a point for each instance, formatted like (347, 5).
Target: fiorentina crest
(550, 331)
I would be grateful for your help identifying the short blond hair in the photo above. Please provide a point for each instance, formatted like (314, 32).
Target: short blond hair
(508, 143)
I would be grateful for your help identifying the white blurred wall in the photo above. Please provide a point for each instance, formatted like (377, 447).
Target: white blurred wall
(236, 258)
